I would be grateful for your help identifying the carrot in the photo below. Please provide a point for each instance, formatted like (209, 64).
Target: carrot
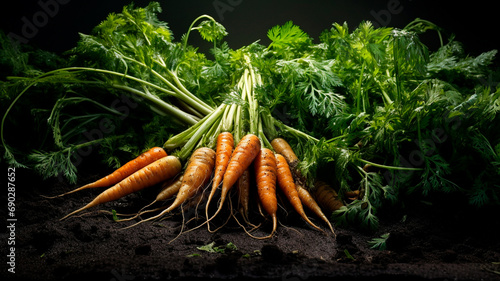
(282, 147)
(197, 174)
(265, 174)
(241, 158)
(124, 171)
(308, 201)
(225, 144)
(243, 187)
(327, 197)
(287, 185)
(154, 173)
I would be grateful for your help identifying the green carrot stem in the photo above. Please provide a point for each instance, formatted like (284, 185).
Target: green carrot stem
(181, 92)
(191, 99)
(390, 167)
(205, 126)
(167, 108)
(182, 137)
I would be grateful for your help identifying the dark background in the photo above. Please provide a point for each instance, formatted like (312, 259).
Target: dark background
(474, 23)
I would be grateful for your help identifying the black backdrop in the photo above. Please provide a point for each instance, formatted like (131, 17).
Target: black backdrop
(57, 22)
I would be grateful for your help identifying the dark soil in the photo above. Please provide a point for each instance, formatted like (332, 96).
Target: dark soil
(427, 242)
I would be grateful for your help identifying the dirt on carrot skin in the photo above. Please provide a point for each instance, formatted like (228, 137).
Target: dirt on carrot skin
(426, 242)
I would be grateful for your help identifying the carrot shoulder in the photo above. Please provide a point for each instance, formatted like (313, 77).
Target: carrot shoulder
(124, 171)
(154, 173)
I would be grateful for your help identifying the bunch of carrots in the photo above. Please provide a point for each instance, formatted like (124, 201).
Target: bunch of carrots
(217, 154)
(224, 168)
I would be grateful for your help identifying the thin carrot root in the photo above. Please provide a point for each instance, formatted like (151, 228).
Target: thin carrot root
(275, 226)
(141, 213)
(227, 219)
(352, 195)
(154, 173)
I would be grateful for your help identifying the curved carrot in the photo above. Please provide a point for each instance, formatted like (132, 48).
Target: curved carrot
(327, 197)
(154, 173)
(265, 174)
(308, 201)
(124, 171)
(225, 144)
(197, 174)
(241, 158)
(287, 185)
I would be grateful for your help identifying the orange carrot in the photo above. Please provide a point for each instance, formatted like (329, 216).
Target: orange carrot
(327, 197)
(265, 174)
(124, 171)
(241, 158)
(197, 174)
(287, 185)
(308, 201)
(225, 144)
(282, 147)
(154, 173)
